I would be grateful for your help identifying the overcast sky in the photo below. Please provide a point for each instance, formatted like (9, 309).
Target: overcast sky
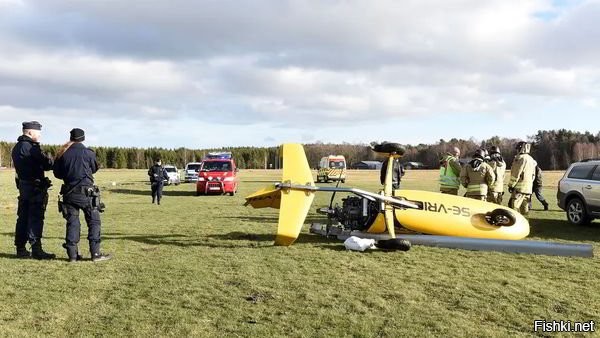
(216, 73)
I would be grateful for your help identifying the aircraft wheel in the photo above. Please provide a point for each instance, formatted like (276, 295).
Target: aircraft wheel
(501, 217)
(394, 244)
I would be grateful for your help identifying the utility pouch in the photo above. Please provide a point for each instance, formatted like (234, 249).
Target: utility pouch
(94, 194)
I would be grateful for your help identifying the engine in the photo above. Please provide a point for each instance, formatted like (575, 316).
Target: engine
(356, 213)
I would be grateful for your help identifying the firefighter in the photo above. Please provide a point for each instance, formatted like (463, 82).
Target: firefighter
(450, 169)
(497, 163)
(477, 176)
(522, 175)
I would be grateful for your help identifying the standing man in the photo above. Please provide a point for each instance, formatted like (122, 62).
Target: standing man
(522, 174)
(499, 167)
(477, 176)
(75, 164)
(397, 173)
(450, 169)
(537, 188)
(30, 164)
(157, 175)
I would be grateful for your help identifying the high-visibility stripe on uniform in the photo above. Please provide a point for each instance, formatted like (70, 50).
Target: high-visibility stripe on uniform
(477, 189)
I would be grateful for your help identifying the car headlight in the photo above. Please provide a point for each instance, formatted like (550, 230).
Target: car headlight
(201, 179)
(210, 178)
(228, 179)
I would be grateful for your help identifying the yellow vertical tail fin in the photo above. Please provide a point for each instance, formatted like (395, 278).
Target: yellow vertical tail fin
(293, 204)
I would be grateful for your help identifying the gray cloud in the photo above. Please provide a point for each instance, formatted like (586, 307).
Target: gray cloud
(291, 63)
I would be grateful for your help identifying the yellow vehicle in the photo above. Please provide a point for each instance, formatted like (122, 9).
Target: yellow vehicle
(332, 168)
(419, 211)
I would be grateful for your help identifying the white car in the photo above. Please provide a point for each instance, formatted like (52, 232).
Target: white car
(191, 171)
(173, 174)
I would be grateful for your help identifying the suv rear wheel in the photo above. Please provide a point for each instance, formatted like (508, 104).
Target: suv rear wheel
(576, 213)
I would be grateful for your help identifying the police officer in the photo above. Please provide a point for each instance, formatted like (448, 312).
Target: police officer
(537, 188)
(397, 172)
(450, 169)
(75, 164)
(498, 165)
(477, 176)
(30, 164)
(157, 175)
(522, 174)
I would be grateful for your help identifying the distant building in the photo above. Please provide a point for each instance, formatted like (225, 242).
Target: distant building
(414, 165)
(367, 165)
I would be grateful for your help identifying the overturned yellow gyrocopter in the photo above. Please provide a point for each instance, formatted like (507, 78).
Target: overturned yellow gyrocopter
(448, 220)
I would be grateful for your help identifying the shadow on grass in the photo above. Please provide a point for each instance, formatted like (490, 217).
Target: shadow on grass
(9, 256)
(270, 238)
(554, 229)
(149, 194)
(235, 239)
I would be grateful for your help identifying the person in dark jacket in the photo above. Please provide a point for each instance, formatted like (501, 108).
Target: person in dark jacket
(397, 173)
(30, 164)
(537, 188)
(75, 164)
(157, 175)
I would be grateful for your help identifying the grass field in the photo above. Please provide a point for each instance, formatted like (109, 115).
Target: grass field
(205, 266)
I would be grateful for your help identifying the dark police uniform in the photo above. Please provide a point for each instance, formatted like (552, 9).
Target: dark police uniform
(537, 188)
(157, 174)
(76, 167)
(30, 164)
(397, 173)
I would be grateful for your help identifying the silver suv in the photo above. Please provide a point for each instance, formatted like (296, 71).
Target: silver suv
(579, 192)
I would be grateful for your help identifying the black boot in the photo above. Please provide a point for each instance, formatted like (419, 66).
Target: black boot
(72, 253)
(22, 252)
(99, 257)
(545, 204)
(38, 253)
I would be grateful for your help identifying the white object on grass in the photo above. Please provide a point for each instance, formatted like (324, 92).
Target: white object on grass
(359, 244)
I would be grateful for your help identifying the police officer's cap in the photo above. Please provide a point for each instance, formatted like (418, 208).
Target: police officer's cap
(32, 125)
(77, 135)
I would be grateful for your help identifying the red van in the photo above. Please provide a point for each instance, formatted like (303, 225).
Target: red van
(217, 176)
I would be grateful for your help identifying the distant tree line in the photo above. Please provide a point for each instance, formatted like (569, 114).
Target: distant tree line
(553, 149)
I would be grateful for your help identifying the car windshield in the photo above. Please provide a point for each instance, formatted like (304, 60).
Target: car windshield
(216, 166)
(194, 167)
(337, 164)
(170, 169)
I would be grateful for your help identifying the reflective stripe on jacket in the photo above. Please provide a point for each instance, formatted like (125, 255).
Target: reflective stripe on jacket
(522, 174)
(477, 177)
(499, 168)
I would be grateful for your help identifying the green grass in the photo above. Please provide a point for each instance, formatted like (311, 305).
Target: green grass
(206, 266)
